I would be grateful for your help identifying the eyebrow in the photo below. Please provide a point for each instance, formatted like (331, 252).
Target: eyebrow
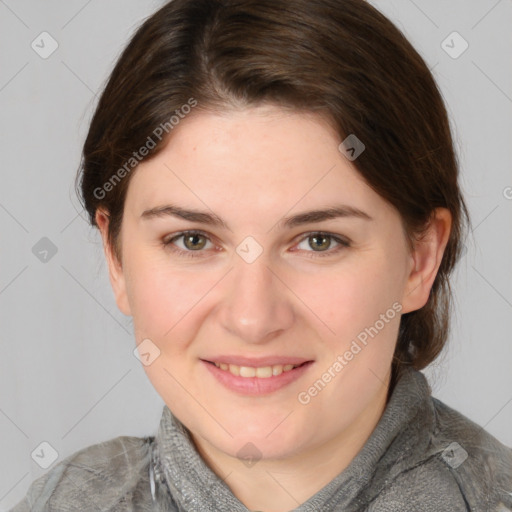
(211, 219)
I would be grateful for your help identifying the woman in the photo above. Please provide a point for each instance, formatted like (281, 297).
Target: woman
(277, 193)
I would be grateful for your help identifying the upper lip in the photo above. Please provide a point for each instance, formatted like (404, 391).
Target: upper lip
(257, 362)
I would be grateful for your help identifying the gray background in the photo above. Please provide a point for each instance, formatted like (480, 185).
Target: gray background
(68, 375)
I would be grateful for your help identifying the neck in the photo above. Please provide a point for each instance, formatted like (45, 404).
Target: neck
(281, 485)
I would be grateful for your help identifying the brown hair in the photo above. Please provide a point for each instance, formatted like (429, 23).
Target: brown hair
(339, 58)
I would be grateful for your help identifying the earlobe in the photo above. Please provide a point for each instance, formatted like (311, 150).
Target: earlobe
(425, 261)
(115, 270)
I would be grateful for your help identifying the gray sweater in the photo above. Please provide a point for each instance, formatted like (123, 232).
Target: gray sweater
(421, 456)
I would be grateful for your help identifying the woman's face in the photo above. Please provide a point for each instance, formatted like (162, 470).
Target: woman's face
(261, 286)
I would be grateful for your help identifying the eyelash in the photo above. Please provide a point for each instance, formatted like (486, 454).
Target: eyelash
(168, 243)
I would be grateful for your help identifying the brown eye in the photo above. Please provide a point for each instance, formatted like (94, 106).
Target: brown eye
(321, 244)
(192, 245)
(320, 241)
(194, 241)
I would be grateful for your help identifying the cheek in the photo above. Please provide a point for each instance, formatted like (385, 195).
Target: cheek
(168, 302)
(158, 298)
(353, 297)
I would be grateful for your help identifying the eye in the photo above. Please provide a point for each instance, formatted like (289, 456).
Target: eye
(321, 242)
(195, 241)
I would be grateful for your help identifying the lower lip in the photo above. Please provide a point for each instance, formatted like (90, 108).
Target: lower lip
(256, 385)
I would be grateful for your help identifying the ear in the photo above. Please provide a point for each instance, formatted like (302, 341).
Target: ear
(425, 261)
(115, 270)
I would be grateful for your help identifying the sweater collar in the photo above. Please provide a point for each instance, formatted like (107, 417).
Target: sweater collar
(401, 435)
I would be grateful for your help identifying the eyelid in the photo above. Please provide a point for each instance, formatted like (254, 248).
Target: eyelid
(167, 240)
(341, 240)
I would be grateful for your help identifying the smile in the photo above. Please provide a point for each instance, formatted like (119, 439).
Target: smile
(262, 372)
(261, 378)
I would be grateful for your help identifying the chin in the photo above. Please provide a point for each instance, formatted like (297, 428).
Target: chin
(261, 439)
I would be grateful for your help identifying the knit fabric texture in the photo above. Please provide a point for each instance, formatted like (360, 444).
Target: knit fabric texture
(422, 456)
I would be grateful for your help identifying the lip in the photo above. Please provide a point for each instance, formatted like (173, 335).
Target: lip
(256, 386)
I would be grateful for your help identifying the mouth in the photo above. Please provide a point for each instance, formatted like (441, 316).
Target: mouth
(262, 372)
(256, 376)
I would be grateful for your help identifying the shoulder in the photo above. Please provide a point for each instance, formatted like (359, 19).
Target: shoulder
(423, 488)
(463, 469)
(96, 477)
(479, 463)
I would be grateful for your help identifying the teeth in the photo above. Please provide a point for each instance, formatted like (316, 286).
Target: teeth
(277, 370)
(247, 371)
(263, 372)
(235, 370)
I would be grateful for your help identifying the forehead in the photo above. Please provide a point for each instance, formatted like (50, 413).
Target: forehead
(262, 158)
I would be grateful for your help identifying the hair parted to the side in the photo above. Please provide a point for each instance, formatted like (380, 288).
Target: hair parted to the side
(339, 58)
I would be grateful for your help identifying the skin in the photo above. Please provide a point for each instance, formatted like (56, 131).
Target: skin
(252, 167)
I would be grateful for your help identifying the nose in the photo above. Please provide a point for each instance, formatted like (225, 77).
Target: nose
(257, 306)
